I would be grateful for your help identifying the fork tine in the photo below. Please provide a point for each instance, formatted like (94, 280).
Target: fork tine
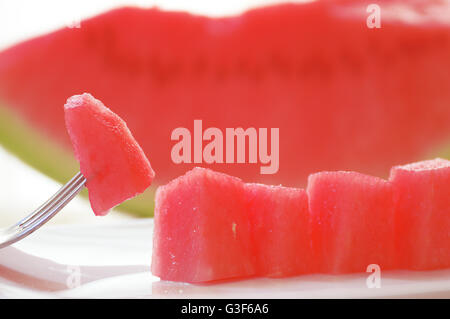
(48, 205)
(41, 209)
(44, 213)
(58, 205)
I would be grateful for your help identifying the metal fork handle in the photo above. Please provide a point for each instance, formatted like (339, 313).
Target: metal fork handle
(44, 213)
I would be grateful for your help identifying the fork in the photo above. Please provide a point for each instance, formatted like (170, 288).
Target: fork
(44, 213)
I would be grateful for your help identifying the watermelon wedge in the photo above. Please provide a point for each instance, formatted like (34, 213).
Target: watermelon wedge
(355, 98)
(111, 160)
(422, 200)
(210, 226)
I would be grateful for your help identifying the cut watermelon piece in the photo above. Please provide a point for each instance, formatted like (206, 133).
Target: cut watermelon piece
(422, 201)
(279, 220)
(111, 160)
(355, 98)
(210, 226)
(202, 231)
(352, 221)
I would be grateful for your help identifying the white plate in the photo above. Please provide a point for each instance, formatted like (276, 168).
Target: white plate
(113, 261)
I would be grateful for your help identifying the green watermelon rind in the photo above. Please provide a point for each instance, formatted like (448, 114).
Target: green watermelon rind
(36, 150)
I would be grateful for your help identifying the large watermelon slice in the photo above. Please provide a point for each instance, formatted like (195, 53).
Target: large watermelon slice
(210, 226)
(111, 160)
(422, 199)
(343, 95)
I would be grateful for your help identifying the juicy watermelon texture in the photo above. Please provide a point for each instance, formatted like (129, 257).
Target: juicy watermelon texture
(201, 231)
(279, 224)
(344, 96)
(422, 195)
(210, 226)
(113, 163)
(352, 221)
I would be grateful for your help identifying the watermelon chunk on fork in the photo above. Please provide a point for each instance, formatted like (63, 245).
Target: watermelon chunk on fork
(110, 159)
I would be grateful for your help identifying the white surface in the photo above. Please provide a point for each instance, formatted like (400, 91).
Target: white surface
(114, 262)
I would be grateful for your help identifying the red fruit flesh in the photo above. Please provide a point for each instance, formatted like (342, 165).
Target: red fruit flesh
(201, 230)
(110, 159)
(422, 203)
(344, 222)
(352, 221)
(279, 222)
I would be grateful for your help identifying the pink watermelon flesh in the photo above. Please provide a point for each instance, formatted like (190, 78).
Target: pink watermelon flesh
(279, 223)
(353, 97)
(352, 221)
(202, 232)
(422, 201)
(110, 159)
(210, 226)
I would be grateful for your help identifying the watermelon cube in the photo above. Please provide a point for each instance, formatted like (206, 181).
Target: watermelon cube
(352, 221)
(111, 160)
(279, 223)
(202, 230)
(422, 201)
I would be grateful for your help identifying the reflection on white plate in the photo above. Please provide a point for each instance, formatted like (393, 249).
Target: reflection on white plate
(113, 261)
